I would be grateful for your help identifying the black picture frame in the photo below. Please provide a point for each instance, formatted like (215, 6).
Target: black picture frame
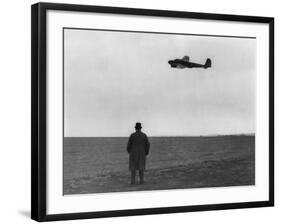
(39, 106)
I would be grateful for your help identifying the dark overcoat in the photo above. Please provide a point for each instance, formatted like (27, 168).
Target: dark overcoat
(138, 148)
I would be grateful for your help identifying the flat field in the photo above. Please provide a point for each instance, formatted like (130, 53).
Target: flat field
(100, 165)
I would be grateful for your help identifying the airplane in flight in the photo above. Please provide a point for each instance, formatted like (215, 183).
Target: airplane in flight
(185, 63)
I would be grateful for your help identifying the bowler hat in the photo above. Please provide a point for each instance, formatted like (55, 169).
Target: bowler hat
(138, 125)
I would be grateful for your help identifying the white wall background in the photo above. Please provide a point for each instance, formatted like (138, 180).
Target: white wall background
(15, 110)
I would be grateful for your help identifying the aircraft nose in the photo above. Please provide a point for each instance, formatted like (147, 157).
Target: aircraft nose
(172, 63)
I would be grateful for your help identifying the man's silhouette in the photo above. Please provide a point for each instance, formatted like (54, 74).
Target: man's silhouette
(138, 149)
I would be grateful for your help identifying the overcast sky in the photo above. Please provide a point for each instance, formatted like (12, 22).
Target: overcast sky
(114, 79)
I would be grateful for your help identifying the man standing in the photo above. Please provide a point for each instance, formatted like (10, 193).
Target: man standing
(138, 149)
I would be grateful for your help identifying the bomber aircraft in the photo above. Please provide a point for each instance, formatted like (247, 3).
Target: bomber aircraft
(185, 63)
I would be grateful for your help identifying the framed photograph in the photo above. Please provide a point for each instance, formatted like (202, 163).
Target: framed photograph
(140, 111)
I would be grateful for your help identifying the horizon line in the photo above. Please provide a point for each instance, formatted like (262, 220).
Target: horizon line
(159, 136)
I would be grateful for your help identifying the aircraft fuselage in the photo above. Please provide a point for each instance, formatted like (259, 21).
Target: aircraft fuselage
(178, 63)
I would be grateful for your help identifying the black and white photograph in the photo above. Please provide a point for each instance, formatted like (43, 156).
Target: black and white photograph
(145, 111)
(139, 111)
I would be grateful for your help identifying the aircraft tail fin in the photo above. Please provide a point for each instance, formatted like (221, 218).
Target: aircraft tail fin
(208, 63)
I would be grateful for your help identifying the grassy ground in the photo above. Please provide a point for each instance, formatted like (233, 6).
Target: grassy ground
(228, 169)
